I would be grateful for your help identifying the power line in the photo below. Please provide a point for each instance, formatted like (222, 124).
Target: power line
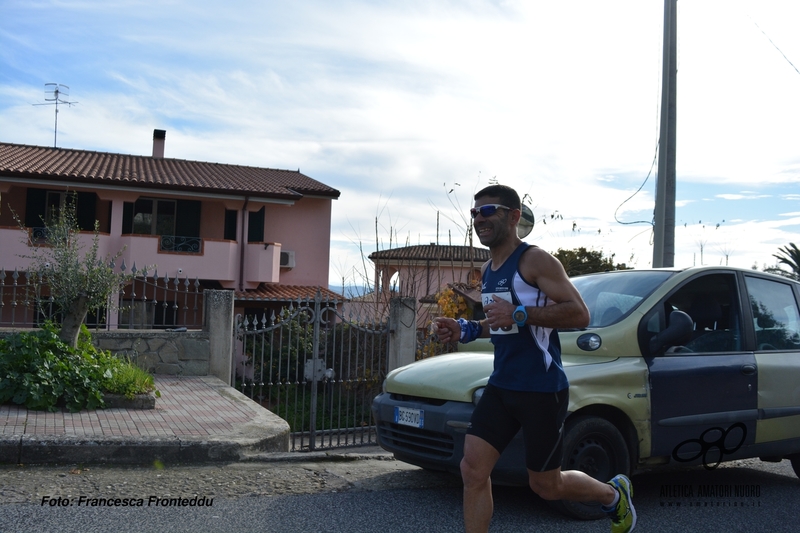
(776, 46)
(653, 164)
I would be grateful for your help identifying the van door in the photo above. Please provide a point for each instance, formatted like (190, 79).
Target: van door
(704, 394)
(776, 321)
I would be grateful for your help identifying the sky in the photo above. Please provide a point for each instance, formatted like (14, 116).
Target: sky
(409, 107)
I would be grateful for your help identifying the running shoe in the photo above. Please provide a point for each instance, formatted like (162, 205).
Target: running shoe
(623, 516)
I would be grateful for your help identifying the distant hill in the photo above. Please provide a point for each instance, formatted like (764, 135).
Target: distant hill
(350, 291)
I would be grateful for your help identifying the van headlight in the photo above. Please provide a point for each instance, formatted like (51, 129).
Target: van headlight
(476, 396)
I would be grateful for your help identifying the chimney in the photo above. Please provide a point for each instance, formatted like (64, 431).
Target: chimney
(159, 138)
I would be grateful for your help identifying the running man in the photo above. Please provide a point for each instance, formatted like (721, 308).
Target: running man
(526, 295)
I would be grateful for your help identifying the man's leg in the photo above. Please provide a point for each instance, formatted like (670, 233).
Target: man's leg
(571, 485)
(615, 496)
(476, 469)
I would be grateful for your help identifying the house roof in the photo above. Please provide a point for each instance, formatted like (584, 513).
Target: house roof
(471, 293)
(433, 252)
(268, 292)
(85, 167)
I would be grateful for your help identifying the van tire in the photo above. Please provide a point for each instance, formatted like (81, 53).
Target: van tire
(596, 447)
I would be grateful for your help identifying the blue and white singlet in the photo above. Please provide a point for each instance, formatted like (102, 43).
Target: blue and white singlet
(527, 358)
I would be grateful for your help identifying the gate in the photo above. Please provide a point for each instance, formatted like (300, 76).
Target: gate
(315, 369)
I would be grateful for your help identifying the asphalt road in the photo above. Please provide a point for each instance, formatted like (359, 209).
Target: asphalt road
(371, 496)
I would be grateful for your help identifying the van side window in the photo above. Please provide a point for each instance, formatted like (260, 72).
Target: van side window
(776, 319)
(712, 304)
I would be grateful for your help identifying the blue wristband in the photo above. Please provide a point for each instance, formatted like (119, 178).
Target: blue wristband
(470, 330)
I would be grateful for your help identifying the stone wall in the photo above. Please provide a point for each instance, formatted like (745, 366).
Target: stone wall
(205, 352)
(160, 352)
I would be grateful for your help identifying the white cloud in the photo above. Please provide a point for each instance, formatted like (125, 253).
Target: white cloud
(743, 196)
(395, 102)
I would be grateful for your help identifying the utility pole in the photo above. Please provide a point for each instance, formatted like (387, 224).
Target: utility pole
(664, 216)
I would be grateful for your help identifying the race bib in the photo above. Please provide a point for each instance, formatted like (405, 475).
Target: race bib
(486, 298)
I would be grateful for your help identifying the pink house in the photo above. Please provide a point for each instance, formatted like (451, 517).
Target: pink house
(422, 271)
(263, 233)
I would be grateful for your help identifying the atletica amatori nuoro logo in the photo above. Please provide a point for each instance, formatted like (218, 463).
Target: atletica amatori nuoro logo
(707, 443)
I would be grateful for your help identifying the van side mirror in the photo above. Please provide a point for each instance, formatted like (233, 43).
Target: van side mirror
(677, 333)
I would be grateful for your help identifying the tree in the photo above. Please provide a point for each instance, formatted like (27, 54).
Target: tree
(76, 281)
(582, 261)
(790, 256)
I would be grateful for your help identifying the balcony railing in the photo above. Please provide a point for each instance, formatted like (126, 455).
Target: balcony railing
(38, 234)
(177, 243)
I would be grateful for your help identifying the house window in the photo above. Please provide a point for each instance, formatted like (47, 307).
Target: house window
(177, 222)
(255, 226)
(54, 203)
(41, 205)
(230, 224)
(154, 216)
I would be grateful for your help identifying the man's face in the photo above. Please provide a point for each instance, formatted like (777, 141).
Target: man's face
(495, 228)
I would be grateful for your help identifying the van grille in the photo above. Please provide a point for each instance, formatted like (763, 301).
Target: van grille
(417, 399)
(419, 441)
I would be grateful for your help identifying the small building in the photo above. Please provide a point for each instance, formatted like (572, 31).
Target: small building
(422, 271)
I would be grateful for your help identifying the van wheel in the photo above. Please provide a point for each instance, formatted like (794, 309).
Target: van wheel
(596, 447)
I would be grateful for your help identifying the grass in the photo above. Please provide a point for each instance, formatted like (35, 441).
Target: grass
(128, 379)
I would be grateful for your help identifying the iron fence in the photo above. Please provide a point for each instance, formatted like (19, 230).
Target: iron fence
(148, 301)
(316, 369)
(160, 302)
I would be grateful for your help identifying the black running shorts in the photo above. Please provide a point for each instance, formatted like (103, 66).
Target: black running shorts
(501, 413)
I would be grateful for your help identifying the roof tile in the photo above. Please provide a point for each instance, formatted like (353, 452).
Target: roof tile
(83, 166)
(284, 293)
(433, 252)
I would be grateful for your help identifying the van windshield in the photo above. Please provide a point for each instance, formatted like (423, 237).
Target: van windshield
(612, 295)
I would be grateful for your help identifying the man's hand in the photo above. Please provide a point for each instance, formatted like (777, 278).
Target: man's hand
(499, 313)
(447, 329)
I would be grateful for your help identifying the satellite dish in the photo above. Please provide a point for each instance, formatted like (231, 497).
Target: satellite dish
(526, 222)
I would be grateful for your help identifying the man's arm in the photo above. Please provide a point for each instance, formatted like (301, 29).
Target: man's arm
(541, 268)
(449, 330)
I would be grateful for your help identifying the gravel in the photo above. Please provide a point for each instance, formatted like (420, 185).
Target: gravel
(32, 483)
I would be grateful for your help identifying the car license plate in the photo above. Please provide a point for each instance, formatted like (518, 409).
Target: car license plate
(409, 417)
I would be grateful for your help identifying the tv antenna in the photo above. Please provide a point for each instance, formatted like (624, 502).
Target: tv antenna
(54, 94)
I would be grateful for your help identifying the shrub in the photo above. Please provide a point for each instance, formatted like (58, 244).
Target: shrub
(40, 371)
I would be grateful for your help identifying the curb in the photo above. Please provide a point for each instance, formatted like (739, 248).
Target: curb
(28, 449)
(354, 453)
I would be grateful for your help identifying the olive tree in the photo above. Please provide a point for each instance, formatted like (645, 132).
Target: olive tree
(77, 279)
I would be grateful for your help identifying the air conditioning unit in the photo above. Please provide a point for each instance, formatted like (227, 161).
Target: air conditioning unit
(287, 259)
